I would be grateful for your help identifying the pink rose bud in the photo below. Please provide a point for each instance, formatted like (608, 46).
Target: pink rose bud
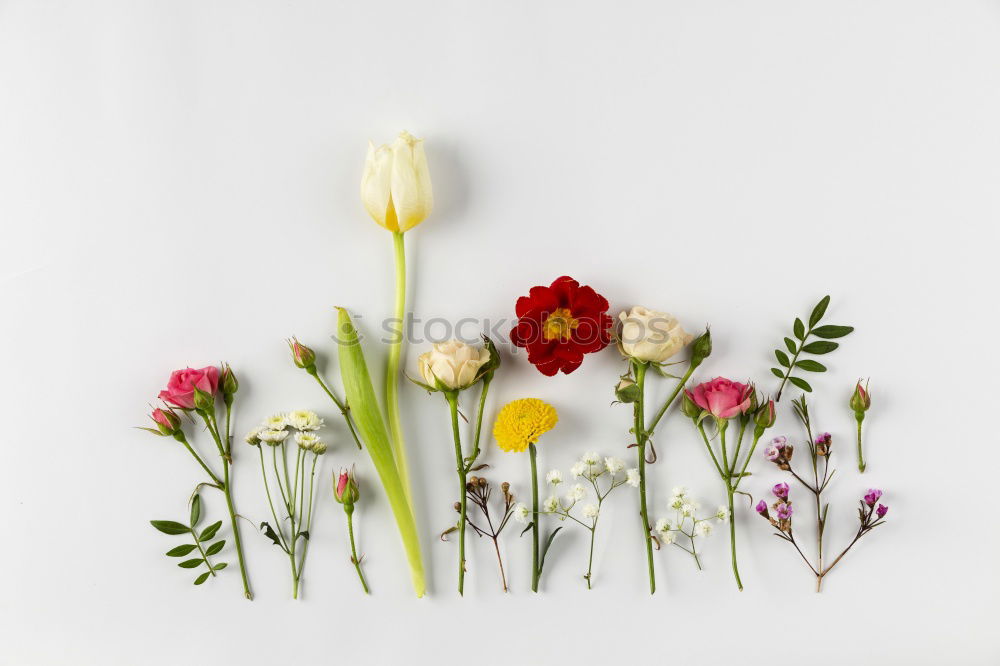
(302, 356)
(860, 401)
(722, 398)
(228, 382)
(345, 487)
(765, 416)
(181, 387)
(167, 421)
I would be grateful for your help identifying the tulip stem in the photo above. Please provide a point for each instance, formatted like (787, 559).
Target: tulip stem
(392, 367)
(535, 570)
(462, 469)
(641, 437)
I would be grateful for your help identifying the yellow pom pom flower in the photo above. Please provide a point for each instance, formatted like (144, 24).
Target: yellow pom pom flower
(522, 422)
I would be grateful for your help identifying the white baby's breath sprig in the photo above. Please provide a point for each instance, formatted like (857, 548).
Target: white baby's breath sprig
(686, 525)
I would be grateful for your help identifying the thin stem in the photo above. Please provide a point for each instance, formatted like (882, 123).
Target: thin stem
(270, 503)
(503, 575)
(277, 477)
(204, 555)
(308, 521)
(746, 462)
(345, 411)
(708, 445)
(349, 510)
(479, 423)
(460, 467)
(392, 366)
(535, 571)
(670, 400)
(732, 536)
(861, 456)
(641, 438)
(211, 474)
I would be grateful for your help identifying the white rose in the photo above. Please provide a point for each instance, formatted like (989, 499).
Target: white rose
(453, 365)
(648, 335)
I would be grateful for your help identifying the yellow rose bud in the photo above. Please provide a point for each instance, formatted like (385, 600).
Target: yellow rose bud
(396, 185)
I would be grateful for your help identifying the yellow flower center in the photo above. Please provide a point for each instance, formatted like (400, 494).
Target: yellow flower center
(559, 325)
(522, 422)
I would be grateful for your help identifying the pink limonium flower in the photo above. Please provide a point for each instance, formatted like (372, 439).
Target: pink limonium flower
(881, 510)
(780, 491)
(180, 388)
(721, 397)
(872, 496)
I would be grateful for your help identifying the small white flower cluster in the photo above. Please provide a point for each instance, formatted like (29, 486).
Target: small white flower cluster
(685, 520)
(591, 467)
(274, 430)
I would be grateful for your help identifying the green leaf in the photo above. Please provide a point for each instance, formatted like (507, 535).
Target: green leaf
(271, 534)
(181, 551)
(220, 566)
(545, 548)
(777, 373)
(304, 534)
(820, 347)
(799, 329)
(819, 311)
(202, 578)
(215, 547)
(209, 531)
(782, 358)
(170, 527)
(811, 366)
(831, 331)
(195, 510)
(191, 564)
(801, 383)
(526, 528)
(790, 345)
(367, 415)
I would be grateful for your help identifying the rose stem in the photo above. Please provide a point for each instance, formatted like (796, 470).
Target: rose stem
(460, 467)
(640, 436)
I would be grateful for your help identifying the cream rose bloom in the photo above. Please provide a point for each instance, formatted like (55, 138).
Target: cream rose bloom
(648, 335)
(396, 184)
(453, 364)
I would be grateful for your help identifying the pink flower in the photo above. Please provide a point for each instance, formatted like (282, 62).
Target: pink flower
(723, 398)
(881, 510)
(166, 420)
(345, 488)
(783, 510)
(872, 496)
(180, 388)
(772, 453)
(762, 508)
(780, 490)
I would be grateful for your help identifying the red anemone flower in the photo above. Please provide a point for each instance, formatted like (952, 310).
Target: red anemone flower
(560, 323)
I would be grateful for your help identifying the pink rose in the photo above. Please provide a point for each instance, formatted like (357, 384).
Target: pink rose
(721, 397)
(166, 420)
(180, 388)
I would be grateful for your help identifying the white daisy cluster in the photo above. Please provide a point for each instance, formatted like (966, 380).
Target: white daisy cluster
(275, 429)
(686, 524)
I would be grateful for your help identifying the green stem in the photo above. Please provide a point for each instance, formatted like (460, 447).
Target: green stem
(673, 396)
(460, 467)
(535, 571)
(590, 557)
(861, 457)
(479, 422)
(308, 521)
(694, 553)
(344, 410)
(183, 440)
(204, 555)
(349, 510)
(732, 536)
(270, 502)
(392, 367)
(640, 436)
(746, 462)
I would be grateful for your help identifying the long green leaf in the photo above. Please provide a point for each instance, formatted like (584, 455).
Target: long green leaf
(170, 526)
(368, 417)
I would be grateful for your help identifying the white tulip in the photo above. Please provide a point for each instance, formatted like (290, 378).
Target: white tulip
(648, 335)
(452, 365)
(396, 184)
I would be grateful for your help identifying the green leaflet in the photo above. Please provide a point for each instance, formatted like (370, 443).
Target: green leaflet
(368, 417)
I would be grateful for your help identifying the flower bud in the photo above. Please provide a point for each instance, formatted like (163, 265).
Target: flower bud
(167, 421)
(319, 448)
(228, 383)
(689, 408)
(396, 185)
(872, 496)
(762, 508)
(860, 401)
(627, 390)
(345, 487)
(204, 401)
(302, 356)
(453, 365)
(701, 348)
(824, 443)
(881, 510)
(765, 415)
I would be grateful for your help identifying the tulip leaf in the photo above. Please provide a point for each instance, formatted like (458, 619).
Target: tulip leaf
(170, 527)
(832, 331)
(782, 358)
(810, 366)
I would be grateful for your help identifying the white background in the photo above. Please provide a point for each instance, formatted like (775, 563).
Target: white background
(178, 185)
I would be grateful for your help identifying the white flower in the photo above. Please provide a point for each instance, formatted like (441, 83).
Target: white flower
(576, 493)
(521, 513)
(680, 491)
(687, 509)
(303, 419)
(253, 437)
(668, 536)
(551, 505)
(396, 184)
(590, 510)
(632, 477)
(703, 528)
(676, 502)
(275, 422)
(307, 440)
(554, 477)
(649, 335)
(578, 470)
(662, 525)
(590, 458)
(452, 365)
(614, 465)
(722, 514)
(272, 436)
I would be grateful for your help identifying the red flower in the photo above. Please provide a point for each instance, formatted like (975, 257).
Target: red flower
(560, 323)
